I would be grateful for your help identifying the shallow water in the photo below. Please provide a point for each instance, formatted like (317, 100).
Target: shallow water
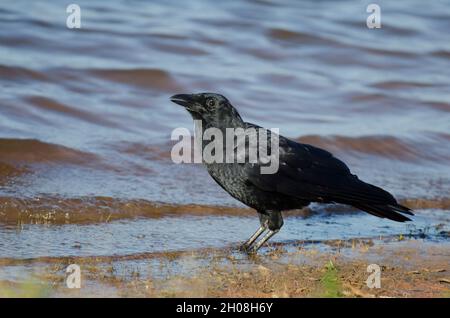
(85, 114)
(144, 235)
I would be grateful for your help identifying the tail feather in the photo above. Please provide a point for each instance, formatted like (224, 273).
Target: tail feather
(403, 209)
(348, 190)
(374, 200)
(390, 212)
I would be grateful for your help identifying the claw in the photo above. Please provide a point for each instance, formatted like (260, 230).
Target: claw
(244, 248)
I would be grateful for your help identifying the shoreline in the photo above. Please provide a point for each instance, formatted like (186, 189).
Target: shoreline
(409, 268)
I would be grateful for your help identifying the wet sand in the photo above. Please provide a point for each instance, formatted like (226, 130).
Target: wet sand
(410, 267)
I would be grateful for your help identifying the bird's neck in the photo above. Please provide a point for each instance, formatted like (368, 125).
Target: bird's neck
(222, 124)
(202, 126)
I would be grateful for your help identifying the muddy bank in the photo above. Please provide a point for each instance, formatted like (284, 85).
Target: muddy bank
(409, 268)
(100, 209)
(84, 210)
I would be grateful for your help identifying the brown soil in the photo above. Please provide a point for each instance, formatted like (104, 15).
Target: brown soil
(408, 269)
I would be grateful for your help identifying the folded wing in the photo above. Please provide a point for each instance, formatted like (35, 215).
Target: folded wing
(315, 175)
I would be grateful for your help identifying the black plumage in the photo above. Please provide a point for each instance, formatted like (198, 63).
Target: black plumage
(306, 174)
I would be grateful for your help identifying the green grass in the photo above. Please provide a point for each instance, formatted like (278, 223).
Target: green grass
(330, 282)
(27, 289)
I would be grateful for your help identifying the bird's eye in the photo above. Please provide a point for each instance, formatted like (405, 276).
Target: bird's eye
(210, 102)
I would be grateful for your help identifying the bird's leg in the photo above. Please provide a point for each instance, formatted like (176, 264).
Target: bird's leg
(264, 221)
(264, 240)
(274, 223)
(253, 238)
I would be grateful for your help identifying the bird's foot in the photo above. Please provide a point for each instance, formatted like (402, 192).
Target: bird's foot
(244, 248)
(247, 249)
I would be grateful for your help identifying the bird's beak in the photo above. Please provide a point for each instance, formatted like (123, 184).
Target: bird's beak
(184, 100)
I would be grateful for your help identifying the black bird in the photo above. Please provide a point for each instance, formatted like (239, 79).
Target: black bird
(306, 174)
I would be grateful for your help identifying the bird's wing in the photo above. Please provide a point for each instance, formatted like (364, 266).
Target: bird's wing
(299, 164)
(313, 174)
(304, 170)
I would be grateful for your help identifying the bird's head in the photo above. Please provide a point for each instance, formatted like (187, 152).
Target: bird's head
(214, 109)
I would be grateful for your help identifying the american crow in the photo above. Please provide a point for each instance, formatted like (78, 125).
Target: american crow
(306, 174)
